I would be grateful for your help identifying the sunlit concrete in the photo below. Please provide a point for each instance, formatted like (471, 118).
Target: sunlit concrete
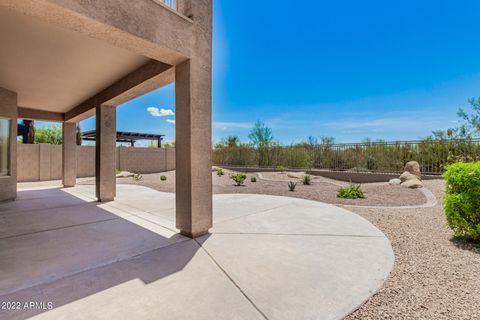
(266, 257)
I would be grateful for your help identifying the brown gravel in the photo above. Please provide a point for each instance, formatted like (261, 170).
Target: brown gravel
(377, 194)
(435, 277)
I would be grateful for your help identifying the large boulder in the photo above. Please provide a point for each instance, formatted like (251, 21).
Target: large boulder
(412, 184)
(408, 176)
(414, 168)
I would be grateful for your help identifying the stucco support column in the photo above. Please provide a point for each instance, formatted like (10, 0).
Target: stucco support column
(193, 149)
(69, 154)
(105, 180)
(9, 113)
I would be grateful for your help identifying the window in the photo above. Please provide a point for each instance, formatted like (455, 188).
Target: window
(4, 147)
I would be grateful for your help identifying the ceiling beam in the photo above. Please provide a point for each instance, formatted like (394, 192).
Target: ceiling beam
(148, 77)
(34, 114)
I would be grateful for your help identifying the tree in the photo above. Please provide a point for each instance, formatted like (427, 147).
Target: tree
(233, 141)
(261, 137)
(327, 140)
(470, 127)
(51, 134)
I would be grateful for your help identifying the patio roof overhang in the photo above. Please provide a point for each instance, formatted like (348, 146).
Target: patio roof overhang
(61, 75)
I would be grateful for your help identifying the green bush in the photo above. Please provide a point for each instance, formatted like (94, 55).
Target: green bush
(462, 199)
(220, 172)
(291, 186)
(353, 191)
(307, 180)
(117, 171)
(253, 179)
(239, 178)
(163, 178)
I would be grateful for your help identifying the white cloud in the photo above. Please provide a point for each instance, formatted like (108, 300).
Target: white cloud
(232, 125)
(170, 121)
(160, 112)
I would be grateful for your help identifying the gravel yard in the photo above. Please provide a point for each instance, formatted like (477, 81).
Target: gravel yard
(434, 277)
(322, 189)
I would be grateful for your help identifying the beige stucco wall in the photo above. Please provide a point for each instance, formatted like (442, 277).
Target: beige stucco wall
(43, 162)
(9, 110)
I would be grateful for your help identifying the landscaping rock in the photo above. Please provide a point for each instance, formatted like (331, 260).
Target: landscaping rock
(408, 176)
(412, 184)
(414, 168)
(395, 181)
(125, 174)
(295, 175)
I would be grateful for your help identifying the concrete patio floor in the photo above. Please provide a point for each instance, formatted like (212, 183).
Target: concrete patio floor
(267, 257)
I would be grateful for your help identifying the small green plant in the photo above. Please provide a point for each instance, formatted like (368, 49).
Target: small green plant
(292, 185)
(253, 179)
(353, 191)
(462, 200)
(137, 177)
(163, 178)
(307, 180)
(220, 172)
(281, 169)
(117, 172)
(239, 178)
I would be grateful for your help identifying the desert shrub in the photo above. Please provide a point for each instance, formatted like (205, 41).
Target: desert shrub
(253, 179)
(137, 177)
(220, 172)
(163, 178)
(352, 191)
(239, 178)
(281, 168)
(117, 171)
(462, 199)
(291, 186)
(307, 180)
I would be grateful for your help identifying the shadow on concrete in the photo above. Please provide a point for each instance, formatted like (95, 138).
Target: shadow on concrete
(56, 248)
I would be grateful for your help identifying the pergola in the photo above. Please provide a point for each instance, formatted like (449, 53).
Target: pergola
(130, 137)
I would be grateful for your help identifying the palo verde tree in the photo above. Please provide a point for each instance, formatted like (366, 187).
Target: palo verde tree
(261, 138)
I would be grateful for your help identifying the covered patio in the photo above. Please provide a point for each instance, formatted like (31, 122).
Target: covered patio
(267, 257)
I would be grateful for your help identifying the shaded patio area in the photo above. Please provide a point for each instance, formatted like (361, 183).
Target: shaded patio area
(267, 257)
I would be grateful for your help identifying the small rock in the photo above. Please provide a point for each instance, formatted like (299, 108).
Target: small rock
(408, 176)
(414, 168)
(395, 181)
(125, 174)
(412, 184)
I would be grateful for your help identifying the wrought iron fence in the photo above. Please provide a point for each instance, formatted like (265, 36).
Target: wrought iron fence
(384, 157)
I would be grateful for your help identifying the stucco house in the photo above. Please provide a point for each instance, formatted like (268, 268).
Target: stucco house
(67, 60)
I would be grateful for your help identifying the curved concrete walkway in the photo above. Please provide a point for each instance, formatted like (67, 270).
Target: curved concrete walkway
(267, 257)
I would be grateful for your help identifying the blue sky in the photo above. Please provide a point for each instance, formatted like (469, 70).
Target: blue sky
(347, 69)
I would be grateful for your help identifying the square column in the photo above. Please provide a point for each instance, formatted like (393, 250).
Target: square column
(105, 179)
(69, 154)
(193, 149)
(8, 144)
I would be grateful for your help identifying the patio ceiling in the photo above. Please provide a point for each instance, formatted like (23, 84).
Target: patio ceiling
(55, 69)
